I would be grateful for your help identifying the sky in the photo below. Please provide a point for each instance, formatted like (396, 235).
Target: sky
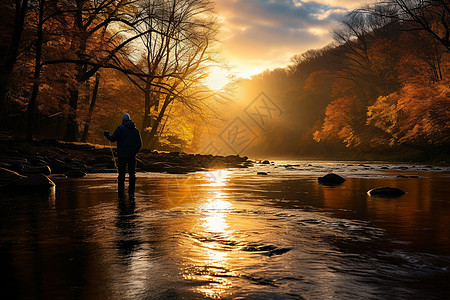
(257, 35)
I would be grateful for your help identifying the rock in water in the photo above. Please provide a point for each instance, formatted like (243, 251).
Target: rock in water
(261, 173)
(31, 184)
(331, 179)
(386, 192)
(75, 174)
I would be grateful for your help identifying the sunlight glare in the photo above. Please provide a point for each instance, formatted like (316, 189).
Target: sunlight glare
(217, 78)
(217, 177)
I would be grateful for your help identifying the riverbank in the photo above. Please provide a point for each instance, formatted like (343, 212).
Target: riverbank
(75, 159)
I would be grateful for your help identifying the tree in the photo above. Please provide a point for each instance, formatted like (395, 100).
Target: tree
(89, 41)
(367, 54)
(18, 9)
(417, 114)
(176, 57)
(431, 16)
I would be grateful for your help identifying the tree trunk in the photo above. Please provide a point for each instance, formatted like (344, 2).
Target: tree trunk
(91, 108)
(72, 126)
(11, 57)
(31, 109)
(152, 135)
(146, 122)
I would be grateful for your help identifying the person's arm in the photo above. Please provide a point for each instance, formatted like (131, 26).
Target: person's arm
(139, 142)
(114, 136)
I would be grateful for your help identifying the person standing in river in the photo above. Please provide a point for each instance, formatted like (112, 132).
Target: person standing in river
(128, 145)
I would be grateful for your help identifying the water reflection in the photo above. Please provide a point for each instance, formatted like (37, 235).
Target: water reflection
(412, 217)
(213, 231)
(225, 235)
(217, 178)
(52, 198)
(127, 243)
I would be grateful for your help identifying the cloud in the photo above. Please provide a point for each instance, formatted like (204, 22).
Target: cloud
(261, 34)
(347, 4)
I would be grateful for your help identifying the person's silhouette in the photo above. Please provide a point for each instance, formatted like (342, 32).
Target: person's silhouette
(128, 145)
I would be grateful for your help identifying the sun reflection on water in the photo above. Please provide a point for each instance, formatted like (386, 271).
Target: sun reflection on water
(217, 178)
(214, 231)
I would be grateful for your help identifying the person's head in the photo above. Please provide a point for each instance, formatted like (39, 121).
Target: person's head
(125, 117)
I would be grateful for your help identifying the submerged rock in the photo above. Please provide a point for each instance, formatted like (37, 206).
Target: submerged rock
(386, 192)
(331, 179)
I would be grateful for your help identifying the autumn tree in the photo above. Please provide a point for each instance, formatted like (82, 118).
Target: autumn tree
(416, 115)
(367, 53)
(175, 59)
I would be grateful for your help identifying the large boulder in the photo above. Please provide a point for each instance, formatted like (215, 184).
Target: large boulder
(386, 192)
(14, 182)
(34, 183)
(331, 179)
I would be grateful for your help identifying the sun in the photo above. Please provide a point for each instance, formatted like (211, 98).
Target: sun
(218, 77)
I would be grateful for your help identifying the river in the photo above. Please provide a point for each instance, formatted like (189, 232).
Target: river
(233, 234)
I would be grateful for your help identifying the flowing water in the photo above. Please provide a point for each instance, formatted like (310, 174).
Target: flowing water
(233, 234)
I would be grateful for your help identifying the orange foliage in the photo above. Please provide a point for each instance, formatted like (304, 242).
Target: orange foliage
(416, 114)
(339, 122)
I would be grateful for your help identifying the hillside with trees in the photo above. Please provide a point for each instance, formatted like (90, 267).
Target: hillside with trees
(383, 85)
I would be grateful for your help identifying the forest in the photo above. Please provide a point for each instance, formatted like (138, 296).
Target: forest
(70, 65)
(380, 90)
(382, 87)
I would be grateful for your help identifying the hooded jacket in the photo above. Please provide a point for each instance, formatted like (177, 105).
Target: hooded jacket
(128, 139)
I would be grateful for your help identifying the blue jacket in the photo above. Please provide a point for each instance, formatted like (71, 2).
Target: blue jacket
(128, 139)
